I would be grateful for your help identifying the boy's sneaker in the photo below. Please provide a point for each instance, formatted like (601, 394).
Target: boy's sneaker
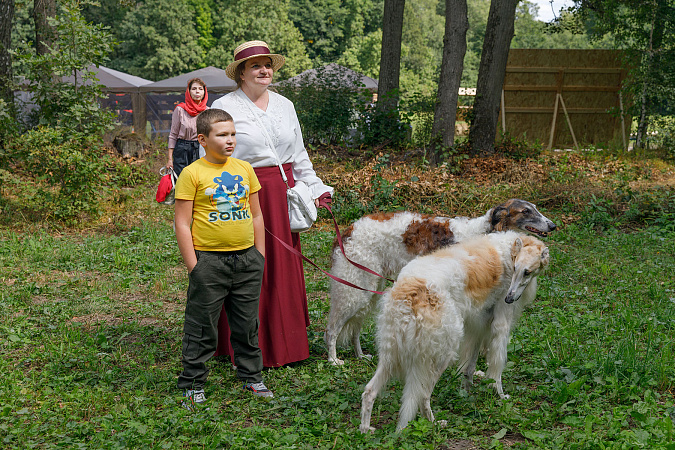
(258, 389)
(194, 397)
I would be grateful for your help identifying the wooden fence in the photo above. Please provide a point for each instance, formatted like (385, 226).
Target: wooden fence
(565, 97)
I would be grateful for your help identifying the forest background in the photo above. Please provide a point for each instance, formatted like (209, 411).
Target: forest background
(158, 39)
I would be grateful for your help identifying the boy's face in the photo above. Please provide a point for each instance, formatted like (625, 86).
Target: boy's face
(220, 142)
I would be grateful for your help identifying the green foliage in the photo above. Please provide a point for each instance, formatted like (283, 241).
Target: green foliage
(327, 104)
(421, 48)
(67, 168)
(363, 55)
(160, 40)
(380, 126)
(662, 130)
(72, 104)
(204, 22)
(239, 21)
(330, 27)
(517, 148)
(9, 126)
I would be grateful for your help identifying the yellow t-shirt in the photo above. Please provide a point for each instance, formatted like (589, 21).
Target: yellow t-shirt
(221, 212)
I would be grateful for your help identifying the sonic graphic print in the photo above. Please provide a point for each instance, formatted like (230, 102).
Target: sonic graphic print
(229, 198)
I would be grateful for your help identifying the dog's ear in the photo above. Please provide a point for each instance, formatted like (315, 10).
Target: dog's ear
(497, 221)
(515, 248)
(545, 257)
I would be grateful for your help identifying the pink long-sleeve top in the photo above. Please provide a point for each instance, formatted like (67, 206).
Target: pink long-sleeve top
(183, 126)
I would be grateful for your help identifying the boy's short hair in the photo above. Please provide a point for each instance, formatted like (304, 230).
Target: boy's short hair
(208, 117)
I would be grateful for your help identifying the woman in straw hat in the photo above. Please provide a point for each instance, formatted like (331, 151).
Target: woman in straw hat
(267, 127)
(183, 145)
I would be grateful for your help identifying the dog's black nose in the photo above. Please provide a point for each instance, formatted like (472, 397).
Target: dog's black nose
(551, 226)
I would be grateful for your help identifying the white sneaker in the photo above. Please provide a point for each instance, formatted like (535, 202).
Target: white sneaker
(194, 397)
(258, 389)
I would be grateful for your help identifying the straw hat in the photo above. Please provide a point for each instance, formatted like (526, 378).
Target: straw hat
(249, 50)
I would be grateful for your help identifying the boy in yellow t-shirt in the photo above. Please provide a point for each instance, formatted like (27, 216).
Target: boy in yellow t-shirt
(221, 237)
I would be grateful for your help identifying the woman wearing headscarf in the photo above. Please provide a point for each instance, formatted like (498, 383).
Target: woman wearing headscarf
(183, 144)
(268, 133)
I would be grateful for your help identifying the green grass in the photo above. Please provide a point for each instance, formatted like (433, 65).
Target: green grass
(91, 330)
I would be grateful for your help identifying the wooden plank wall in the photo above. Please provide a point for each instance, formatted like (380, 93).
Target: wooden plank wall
(540, 84)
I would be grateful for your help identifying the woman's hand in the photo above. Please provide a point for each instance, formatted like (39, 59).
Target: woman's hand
(169, 162)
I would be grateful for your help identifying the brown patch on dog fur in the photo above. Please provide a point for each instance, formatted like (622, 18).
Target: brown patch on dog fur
(483, 272)
(424, 236)
(416, 294)
(379, 217)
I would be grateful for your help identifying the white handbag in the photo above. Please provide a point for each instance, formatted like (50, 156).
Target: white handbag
(301, 208)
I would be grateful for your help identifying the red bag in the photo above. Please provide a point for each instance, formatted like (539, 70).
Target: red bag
(166, 189)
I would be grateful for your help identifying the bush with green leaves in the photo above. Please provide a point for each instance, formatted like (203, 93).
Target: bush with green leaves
(62, 85)
(663, 130)
(379, 126)
(68, 169)
(327, 102)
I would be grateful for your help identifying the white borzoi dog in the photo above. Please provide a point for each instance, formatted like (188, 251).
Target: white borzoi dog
(447, 306)
(387, 242)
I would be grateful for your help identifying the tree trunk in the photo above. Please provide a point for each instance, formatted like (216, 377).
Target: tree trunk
(6, 17)
(44, 33)
(390, 60)
(498, 35)
(454, 48)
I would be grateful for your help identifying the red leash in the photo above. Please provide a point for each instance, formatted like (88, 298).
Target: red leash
(325, 202)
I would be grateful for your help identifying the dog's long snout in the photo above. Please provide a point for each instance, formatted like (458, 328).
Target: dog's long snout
(551, 226)
(509, 298)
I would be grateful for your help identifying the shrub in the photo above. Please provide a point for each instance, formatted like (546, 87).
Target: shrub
(663, 128)
(380, 127)
(70, 103)
(67, 167)
(327, 103)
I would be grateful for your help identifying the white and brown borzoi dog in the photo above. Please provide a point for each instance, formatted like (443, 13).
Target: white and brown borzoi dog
(387, 242)
(444, 308)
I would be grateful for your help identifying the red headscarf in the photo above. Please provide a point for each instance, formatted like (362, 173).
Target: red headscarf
(189, 104)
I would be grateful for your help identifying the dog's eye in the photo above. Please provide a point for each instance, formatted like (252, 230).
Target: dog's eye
(527, 272)
(527, 211)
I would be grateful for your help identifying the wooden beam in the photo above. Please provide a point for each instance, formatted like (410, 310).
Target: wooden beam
(569, 123)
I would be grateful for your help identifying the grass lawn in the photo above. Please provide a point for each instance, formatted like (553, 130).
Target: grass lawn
(91, 330)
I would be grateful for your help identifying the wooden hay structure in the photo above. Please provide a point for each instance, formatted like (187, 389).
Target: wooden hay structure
(565, 98)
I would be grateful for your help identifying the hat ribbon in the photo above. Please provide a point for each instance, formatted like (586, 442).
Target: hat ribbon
(251, 51)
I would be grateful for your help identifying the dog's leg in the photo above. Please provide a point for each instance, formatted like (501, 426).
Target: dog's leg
(497, 349)
(336, 321)
(356, 329)
(345, 303)
(369, 394)
(470, 349)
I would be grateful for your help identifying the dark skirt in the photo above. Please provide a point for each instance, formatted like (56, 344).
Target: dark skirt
(283, 301)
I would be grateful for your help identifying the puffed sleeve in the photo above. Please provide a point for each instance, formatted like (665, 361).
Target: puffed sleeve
(302, 166)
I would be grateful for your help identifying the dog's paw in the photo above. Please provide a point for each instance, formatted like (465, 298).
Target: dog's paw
(366, 429)
(336, 362)
(479, 373)
(366, 356)
(505, 396)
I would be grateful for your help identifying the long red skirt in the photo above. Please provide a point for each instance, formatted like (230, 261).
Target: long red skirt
(283, 301)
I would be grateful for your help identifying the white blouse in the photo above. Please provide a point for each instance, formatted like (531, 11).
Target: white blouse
(283, 127)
